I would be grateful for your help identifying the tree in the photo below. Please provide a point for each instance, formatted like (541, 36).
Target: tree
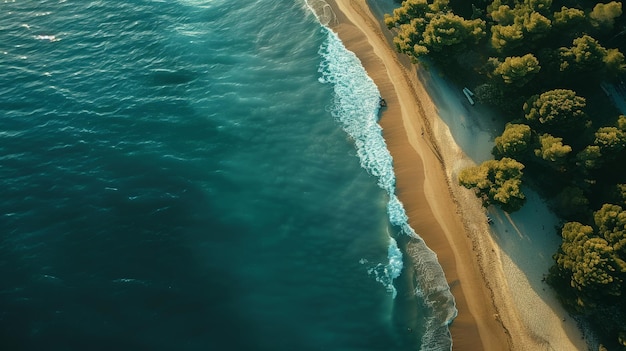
(440, 6)
(604, 15)
(525, 20)
(590, 261)
(611, 223)
(537, 25)
(448, 31)
(517, 70)
(513, 142)
(506, 37)
(589, 158)
(569, 18)
(621, 123)
(595, 271)
(495, 4)
(614, 62)
(559, 107)
(410, 20)
(410, 9)
(571, 201)
(408, 38)
(490, 94)
(539, 6)
(611, 140)
(588, 56)
(429, 28)
(608, 144)
(496, 182)
(553, 150)
(585, 55)
(503, 15)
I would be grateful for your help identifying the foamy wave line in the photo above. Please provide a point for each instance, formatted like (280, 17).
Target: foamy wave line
(322, 10)
(386, 273)
(356, 107)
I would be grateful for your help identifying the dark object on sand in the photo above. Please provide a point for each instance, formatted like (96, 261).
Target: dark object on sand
(382, 103)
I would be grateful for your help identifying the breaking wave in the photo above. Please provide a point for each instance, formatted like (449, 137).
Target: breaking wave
(356, 108)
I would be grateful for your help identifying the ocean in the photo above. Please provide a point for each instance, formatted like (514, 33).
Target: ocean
(198, 175)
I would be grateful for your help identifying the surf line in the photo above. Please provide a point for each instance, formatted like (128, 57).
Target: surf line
(356, 105)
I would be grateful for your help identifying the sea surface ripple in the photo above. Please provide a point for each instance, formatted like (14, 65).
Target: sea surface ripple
(175, 177)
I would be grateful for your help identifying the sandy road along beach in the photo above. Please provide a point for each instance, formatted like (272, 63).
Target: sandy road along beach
(451, 222)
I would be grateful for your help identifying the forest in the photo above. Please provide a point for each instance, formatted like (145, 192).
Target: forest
(549, 68)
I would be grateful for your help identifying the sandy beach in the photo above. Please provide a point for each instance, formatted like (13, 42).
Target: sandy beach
(449, 218)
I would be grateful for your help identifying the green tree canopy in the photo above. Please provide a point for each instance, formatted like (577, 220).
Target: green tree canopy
(553, 150)
(408, 36)
(513, 142)
(517, 21)
(611, 140)
(412, 9)
(611, 223)
(571, 201)
(569, 18)
(559, 107)
(496, 182)
(590, 260)
(621, 123)
(590, 157)
(506, 37)
(503, 15)
(517, 70)
(537, 25)
(510, 50)
(614, 62)
(448, 30)
(586, 54)
(429, 28)
(410, 20)
(604, 15)
(539, 6)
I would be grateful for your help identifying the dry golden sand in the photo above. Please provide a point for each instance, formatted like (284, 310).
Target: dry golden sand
(449, 218)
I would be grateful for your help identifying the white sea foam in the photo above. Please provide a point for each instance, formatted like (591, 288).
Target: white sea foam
(129, 281)
(47, 37)
(395, 264)
(386, 273)
(323, 11)
(356, 107)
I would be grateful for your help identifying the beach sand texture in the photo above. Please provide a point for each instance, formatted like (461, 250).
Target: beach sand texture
(498, 308)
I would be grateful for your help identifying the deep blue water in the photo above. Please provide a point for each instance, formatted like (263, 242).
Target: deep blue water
(194, 175)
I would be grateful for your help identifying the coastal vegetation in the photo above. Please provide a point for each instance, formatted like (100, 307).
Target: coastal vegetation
(546, 66)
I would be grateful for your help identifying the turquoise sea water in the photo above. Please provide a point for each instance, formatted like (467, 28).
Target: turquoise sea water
(197, 175)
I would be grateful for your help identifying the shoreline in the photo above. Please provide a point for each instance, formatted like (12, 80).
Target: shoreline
(449, 218)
